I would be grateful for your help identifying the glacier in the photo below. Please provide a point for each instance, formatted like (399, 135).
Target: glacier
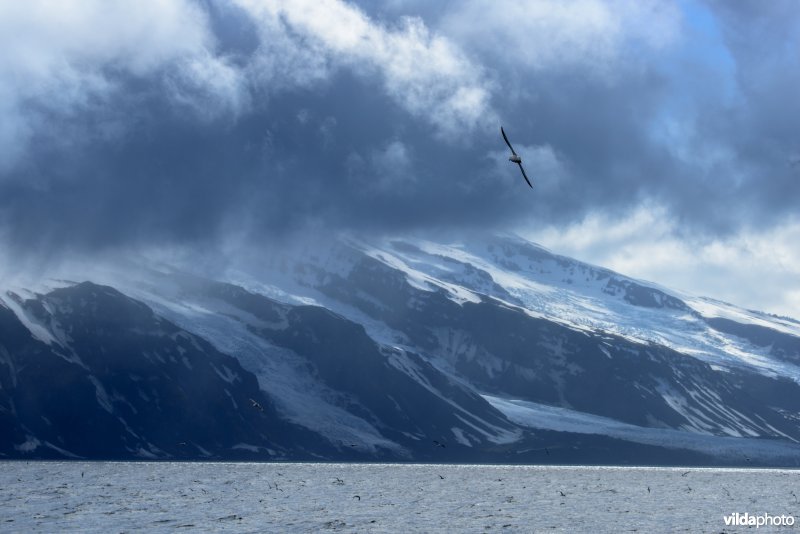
(380, 347)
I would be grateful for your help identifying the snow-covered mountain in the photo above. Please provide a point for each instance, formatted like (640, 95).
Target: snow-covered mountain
(394, 349)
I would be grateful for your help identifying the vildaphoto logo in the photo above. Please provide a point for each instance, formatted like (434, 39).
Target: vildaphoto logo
(763, 520)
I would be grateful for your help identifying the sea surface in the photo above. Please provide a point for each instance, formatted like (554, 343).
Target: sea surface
(305, 497)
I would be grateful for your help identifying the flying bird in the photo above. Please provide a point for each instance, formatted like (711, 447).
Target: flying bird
(515, 157)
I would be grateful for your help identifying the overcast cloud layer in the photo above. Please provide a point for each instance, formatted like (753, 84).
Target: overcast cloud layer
(181, 122)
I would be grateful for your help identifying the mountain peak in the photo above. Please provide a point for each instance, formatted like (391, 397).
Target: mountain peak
(383, 348)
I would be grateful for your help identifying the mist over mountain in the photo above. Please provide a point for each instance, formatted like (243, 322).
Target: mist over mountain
(193, 123)
(277, 230)
(399, 349)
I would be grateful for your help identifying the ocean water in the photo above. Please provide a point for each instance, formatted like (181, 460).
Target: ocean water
(304, 497)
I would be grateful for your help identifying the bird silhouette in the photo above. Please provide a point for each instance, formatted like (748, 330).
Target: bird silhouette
(515, 157)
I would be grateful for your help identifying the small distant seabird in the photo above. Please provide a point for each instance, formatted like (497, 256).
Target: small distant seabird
(254, 403)
(515, 157)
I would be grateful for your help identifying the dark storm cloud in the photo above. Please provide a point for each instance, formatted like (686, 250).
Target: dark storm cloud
(761, 126)
(290, 141)
(267, 128)
(319, 158)
(703, 124)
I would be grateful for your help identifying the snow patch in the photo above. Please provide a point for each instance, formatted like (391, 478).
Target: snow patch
(30, 444)
(460, 437)
(541, 416)
(247, 447)
(102, 396)
(37, 330)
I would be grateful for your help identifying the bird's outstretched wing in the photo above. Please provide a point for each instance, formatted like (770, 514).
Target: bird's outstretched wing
(507, 141)
(525, 175)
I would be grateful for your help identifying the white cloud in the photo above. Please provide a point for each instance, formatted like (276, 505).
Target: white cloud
(283, 59)
(755, 269)
(209, 86)
(425, 73)
(543, 34)
(61, 57)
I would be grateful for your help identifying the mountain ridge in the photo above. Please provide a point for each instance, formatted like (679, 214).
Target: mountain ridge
(410, 350)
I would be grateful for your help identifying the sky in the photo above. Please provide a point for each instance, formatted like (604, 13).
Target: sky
(661, 136)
